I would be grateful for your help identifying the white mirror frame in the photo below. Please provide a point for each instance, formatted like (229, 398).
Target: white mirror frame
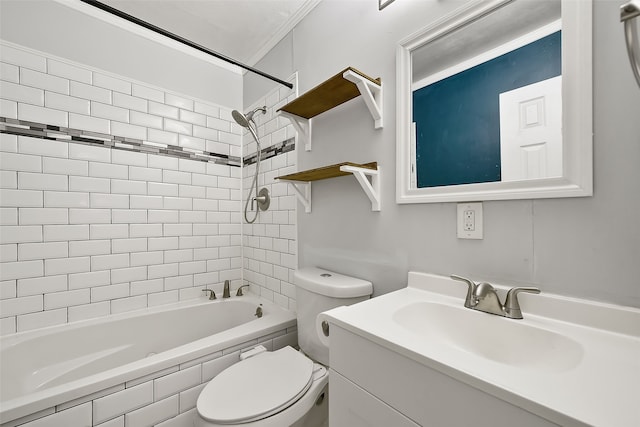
(577, 120)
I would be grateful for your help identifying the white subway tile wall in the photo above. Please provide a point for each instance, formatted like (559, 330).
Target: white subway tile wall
(131, 229)
(89, 231)
(270, 244)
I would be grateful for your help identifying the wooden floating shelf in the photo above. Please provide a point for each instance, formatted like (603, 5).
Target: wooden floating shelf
(344, 86)
(301, 181)
(325, 172)
(327, 95)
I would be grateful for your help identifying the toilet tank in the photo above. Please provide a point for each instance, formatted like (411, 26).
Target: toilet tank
(319, 290)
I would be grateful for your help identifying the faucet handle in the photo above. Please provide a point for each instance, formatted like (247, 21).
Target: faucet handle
(239, 291)
(469, 300)
(511, 304)
(212, 295)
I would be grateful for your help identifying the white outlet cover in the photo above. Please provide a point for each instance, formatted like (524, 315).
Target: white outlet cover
(476, 231)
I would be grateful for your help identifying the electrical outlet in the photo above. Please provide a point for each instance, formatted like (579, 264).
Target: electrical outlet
(470, 220)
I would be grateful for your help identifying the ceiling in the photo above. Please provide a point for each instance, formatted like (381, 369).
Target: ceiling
(244, 30)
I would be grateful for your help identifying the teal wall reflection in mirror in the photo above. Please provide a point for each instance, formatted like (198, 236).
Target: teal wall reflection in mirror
(457, 118)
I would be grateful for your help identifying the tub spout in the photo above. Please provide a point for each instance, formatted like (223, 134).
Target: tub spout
(225, 292)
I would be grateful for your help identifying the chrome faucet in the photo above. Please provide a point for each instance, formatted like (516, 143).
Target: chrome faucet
(483, 297)
(225, 291)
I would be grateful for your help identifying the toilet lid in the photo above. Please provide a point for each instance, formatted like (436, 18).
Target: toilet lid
(257, 387)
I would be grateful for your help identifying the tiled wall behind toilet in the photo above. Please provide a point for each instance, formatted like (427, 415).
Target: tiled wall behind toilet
(270, 244)
(90, 230)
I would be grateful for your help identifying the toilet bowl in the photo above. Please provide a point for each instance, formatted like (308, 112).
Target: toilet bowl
(285, 387)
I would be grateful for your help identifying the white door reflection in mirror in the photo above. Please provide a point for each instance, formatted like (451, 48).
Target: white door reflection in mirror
(451, 43)
(531, 131)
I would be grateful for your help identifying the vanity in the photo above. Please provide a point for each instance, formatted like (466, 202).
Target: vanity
(418, 357)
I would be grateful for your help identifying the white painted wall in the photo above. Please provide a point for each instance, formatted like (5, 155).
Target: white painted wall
(73, 31)
(586, 247)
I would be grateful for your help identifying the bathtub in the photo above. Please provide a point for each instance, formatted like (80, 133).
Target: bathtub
(114, 367)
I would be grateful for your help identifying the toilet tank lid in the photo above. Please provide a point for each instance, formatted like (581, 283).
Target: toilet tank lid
(330, 284)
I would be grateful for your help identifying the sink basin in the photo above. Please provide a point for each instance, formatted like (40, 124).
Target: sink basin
(507, 341)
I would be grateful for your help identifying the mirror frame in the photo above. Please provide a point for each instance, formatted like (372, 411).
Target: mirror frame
(577, 111)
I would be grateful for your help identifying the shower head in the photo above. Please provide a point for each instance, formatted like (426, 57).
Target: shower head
(240, 118)
(245, 120)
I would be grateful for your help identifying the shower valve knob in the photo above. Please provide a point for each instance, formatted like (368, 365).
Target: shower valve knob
(263, 199)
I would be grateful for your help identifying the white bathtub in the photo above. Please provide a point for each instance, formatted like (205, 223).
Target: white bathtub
(46, 371)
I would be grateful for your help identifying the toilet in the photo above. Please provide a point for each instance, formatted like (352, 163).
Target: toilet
(285, 387)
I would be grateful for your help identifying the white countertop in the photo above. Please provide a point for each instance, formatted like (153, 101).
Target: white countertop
(599, 388)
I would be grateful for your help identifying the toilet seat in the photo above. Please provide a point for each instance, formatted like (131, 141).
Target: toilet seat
(256, 388)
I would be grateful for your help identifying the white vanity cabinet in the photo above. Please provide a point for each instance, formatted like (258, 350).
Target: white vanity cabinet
(355, 407)
(372, 386)
(417, 356)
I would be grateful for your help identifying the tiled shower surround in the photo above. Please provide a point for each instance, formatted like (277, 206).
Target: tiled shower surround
(135, 201)
(270, 244)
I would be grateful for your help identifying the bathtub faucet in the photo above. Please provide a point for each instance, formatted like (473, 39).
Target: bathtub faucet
(225, 291)
(212, 295)
(239, 291)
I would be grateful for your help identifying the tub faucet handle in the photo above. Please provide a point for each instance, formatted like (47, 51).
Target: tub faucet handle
(212, 295)
(239, 291)
(225, 292)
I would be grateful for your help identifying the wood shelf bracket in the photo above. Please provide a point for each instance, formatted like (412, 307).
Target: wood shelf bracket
(342, 87)
(302, 190)
(371, 188)
(300, 182)
(371, 94)
(302, 127)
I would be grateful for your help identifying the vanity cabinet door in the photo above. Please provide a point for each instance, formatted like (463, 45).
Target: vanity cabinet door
(351, 406)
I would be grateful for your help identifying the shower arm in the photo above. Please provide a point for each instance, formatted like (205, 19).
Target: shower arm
(628, 12)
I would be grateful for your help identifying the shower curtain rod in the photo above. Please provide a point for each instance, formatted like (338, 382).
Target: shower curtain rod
(182, 40)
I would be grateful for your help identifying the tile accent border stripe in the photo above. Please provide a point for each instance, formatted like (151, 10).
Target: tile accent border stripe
(272, 151)
(57, 133)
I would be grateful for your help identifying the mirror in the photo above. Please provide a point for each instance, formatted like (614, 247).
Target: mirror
(495, 102)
